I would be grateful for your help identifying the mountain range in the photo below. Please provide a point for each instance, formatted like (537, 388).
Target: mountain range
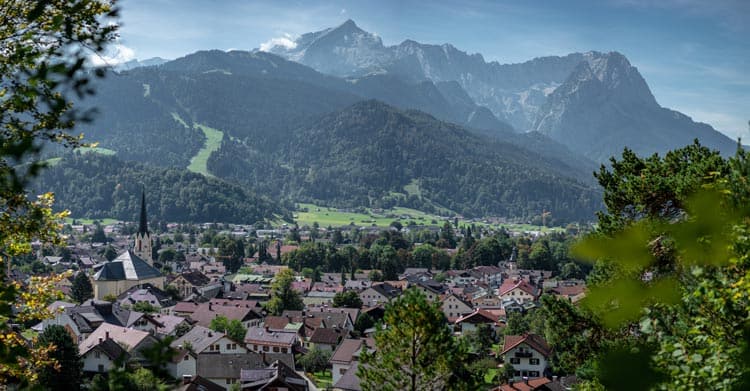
(576, 99)
(338, 118)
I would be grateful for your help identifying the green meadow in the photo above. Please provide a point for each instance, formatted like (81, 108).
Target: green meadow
(199, 162)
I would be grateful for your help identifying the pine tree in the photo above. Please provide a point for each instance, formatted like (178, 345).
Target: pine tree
(81, 289)
(415, 351)
(67, 375)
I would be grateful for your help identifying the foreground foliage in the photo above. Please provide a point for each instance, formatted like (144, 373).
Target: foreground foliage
(44, 45)
(674, 268)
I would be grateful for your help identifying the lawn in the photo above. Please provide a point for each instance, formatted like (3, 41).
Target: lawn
(104, 221)
(326, 216)
(99, 150)
(322, 380)
(199, 162)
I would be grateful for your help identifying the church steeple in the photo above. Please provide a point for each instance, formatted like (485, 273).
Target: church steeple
(142, 246)
(143, 226)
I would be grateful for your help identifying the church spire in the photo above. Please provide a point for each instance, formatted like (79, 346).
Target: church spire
(143, 227)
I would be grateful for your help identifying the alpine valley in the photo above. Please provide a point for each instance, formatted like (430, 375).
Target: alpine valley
(338, 118)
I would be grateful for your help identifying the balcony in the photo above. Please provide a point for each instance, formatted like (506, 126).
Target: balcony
(523, 354)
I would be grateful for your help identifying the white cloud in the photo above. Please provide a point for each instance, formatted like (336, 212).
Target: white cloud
(114, 54)
(286, 41)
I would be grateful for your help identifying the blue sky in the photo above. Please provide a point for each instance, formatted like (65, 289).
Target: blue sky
(694, 54)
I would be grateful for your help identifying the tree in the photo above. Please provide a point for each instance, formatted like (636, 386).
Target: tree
(145, 307)
(571, 270)
(232, 252)
(517, 324)
(232, 328)
(81, 290)
(283, 297)
(182, 329)
(315, 360)
(44, 46)
(348, 299)
(110, 253)
(67, 371)
(415, 351)
(683, 220)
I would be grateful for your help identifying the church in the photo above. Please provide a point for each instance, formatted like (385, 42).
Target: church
(132, 267)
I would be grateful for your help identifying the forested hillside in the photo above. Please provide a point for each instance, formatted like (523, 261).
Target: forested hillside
(96, 186)
(374, 154)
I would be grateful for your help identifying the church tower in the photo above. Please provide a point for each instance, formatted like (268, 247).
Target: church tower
(142, 246)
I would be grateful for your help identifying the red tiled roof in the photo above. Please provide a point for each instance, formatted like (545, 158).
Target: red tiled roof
(478, 316)
(533, 384)
(508, 286)
(534, 341)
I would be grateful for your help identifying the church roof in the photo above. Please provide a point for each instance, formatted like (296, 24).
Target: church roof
(127, 266)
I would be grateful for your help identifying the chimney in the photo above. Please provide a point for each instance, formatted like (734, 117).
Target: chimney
(210, 306)
(106, 334)
(526, 380)
(100, 341)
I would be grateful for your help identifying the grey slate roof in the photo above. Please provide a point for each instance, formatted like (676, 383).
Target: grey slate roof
(127, 266)
(350, 381)
(113, 350)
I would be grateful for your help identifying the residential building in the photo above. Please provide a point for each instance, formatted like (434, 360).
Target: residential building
(528, 354)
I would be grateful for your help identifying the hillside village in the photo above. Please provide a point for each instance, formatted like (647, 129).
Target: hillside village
(171, 286)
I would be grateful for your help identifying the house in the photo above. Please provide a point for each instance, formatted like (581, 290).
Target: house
(519, 291)
(202, 340)
(528, 354)
(454, 307)
(490, 275)
(248, 312)
(347, 354)
(145, 293)
(189, 282)
(103, 356)
(378, 294)
(197, 383)
(277, 376)
(571, 291)
(183, 364)
(325, 338)
(131, 341)
(349, 381)
(226, 369)
(431, 289)
(331, 317)
(471, 321)
(538, 383)
(169, 324)
(259, 339)
(124, 272)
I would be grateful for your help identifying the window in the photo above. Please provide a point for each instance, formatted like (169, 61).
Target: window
(229, 346)
(97, 354)
(101, 368)
(533, 373)
(515, 360)
(275, 349)
(265, 348)
(517, 373)
(534, 361)
(283, 350)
